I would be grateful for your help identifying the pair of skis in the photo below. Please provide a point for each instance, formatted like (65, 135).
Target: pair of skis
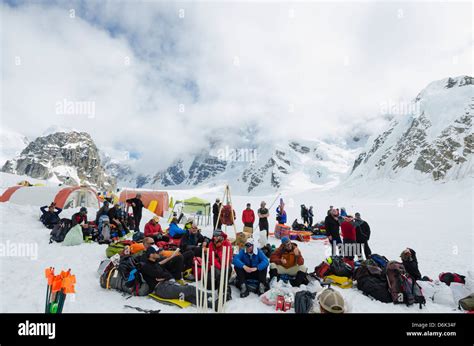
(201, 283)
(58, 286)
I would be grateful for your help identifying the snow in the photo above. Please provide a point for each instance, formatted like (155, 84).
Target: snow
(437, 223)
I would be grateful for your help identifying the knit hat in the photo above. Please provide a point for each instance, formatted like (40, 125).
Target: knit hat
(331, 301)
(285, 240)
(217, 233)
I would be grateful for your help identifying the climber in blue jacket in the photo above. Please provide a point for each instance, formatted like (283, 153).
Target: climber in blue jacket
(251, 264)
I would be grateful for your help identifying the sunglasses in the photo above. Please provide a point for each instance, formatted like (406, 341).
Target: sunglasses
(248, 245)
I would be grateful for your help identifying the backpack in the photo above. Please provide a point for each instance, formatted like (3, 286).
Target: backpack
(339, 267)
(449, 278)
(105, 266)
(60, 230)
(402, 287)
(381, 261)
(322, 270)
(138, 236)
(297, 226)
(112, 279)
(105, 232)
(467, 303)
(304, 301)
(116, 248)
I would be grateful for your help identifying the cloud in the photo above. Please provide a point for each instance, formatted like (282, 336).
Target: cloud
(165, 77)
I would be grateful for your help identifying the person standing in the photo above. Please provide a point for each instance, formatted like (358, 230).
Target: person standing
(137, 206)
(348, 231)
(362, 234)
(281, 213)
(331, 223)
(263, 215)
(310, 216)
(304, 214)
(248, 217)
(215, 212)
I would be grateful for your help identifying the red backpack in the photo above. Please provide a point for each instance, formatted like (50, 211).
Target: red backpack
(448, 278)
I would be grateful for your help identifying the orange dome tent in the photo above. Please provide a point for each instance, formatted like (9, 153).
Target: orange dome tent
(64, 197)
(155, 201)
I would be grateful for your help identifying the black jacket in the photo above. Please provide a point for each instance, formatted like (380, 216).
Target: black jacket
(137, 209)
(189, 239)
(362, 231)
(332, 226)
(412, 266)
(215, 209)
(48, 218)
(152, 271)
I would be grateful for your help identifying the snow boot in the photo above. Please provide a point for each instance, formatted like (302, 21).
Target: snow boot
(261, 289)
(244, 292)
(301, 278)
(273, 273)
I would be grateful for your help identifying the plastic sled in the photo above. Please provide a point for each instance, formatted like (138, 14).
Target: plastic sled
(176, 302)
(340, 281)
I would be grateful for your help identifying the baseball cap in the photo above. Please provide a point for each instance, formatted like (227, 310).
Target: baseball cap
(331, 301)
(285, 240)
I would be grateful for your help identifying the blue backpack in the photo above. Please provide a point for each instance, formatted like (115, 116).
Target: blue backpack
(381, 261)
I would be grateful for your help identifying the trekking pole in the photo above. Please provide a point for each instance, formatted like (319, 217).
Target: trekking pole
(221, 283)
(226, 275)
(213, 284)
(205, 281)
(220, 209)
(203, 278)
(271, 205)
(232, 211)
(197, 284)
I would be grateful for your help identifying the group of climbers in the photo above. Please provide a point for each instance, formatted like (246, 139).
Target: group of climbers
(354, 230)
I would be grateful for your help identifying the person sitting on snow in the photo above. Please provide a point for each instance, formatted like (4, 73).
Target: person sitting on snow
(194, 241)
(287, 260)
(250, 263)
(410, 263)
(153, 230)
(103, 211)
(174, 230)
(189, 223)
(114, 216)
(80, 218)
(160, 277)
(330, 301)
(218, 243)
(50, 217)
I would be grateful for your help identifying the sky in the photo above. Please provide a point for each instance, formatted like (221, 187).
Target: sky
(159, 79)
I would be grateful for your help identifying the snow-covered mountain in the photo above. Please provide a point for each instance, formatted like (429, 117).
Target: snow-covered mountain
(11, 144)
(264, 167)
(67, 157)
(434, 142)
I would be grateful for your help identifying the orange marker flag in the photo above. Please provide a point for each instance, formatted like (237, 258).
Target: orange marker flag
(49, 274)
(57, 283)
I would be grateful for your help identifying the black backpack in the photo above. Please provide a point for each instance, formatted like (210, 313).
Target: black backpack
(304, 301)
(60, 230)
(339, 267)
